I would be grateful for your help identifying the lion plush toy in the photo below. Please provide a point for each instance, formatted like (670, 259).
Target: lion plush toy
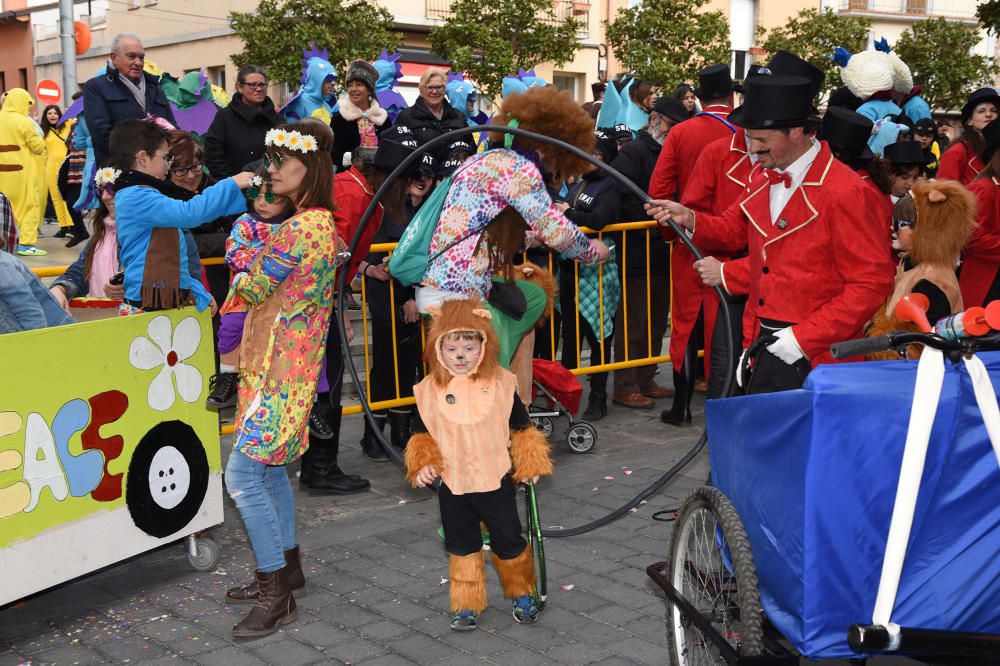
(473, 433)
(931, 226)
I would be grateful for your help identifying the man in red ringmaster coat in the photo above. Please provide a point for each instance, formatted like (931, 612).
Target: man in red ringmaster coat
(670, 179)
(718, 180)
(980, 264)
(817, 267)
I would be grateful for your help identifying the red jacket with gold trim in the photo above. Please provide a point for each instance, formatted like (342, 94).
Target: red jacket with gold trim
(684, 143)
(879, 201)
(959, 163)
(719, 179)
(821, 266)
(982, 252)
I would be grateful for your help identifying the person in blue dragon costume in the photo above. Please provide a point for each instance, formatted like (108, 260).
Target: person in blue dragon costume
(315, 97)
(389, 72)
(462, 96)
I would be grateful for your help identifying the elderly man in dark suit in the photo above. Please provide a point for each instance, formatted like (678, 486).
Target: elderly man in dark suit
(122, 92)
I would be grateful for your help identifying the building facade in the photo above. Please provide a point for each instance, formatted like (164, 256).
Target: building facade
(16, 67)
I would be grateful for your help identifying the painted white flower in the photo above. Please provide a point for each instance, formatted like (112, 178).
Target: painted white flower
(161, 350)
(256, 181)
(269, 137)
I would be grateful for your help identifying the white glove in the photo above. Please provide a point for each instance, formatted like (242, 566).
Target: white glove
(739, 368)
(786, 347)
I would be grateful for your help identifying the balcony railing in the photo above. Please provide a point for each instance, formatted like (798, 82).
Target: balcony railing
(960, 9)
(579, 9)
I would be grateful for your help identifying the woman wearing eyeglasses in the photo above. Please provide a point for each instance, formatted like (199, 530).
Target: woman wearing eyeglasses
(236, 136)
(187, 171)
(432, 115)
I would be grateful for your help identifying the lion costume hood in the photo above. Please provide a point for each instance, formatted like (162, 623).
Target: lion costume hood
(943, 216)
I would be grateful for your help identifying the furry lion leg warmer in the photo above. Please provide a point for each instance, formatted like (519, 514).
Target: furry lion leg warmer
(467, 574)
(517, 575)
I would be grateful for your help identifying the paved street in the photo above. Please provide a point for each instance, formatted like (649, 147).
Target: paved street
(376, 577)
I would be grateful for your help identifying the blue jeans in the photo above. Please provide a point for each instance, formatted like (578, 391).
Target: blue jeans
(264, 497)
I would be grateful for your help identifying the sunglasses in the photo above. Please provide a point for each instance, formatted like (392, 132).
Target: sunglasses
(253, 193)
(272, 158)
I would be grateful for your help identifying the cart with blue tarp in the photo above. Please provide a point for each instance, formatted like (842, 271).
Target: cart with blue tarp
(857, 515)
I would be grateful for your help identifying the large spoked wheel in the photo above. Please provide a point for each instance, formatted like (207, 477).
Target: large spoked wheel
(711, 565)
(534, 528)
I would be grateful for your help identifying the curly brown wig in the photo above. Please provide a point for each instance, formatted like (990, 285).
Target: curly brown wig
(553, 113)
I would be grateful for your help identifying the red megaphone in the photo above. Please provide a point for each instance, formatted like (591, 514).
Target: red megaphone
(913, 308)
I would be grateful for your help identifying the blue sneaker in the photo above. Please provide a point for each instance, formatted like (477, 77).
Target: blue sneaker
(464, 620)
(30, 251)
(525, 610)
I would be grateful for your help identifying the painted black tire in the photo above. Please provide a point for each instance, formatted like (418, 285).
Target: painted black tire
(167, 479)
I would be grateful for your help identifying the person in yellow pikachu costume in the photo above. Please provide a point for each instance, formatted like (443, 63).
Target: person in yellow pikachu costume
(20, 172)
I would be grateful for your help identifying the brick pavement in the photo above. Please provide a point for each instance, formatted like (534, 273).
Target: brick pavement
(375, 573)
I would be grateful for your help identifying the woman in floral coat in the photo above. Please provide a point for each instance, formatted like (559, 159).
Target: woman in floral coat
(289, 289)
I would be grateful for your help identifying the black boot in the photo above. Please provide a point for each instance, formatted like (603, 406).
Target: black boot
(322, 474)
(222, 389)
(61, 233)
(679, 413)
(399, 427)
(370, 444)
(597, 404)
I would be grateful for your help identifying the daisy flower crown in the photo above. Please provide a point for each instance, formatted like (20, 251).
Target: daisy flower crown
(302, 143)
(106, 177)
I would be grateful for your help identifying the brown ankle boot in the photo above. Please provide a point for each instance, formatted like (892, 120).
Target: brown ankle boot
(275, 606)
(247, 594)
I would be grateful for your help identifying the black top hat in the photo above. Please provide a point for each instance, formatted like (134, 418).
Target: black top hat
(785, 62)
(847, 133)
(671, 107)
(991, 133)
(775, 102)
(714, 82)
(904, 152)
(752, 71)
(977, 98)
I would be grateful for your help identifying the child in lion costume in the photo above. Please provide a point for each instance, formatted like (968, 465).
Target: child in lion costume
(473, 433)
(931, 224)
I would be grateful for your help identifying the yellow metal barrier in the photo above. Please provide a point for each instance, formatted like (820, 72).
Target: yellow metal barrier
(649, 359)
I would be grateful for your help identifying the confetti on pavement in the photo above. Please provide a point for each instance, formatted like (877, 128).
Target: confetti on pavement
(568, 587)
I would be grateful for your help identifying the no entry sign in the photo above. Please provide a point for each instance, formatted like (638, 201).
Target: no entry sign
(48, 91)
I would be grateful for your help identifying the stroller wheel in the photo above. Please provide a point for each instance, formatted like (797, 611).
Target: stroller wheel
(581, 437)
(544, 423)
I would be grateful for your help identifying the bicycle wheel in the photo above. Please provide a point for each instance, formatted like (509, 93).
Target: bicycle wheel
(534, 528)
(711, 565)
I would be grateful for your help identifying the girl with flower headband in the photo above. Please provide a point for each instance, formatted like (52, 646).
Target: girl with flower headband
(151, 214)
(95, 273)
(251, 232)
(288, 289)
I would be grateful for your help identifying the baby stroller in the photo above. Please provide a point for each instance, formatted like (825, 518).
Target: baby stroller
(561, 392)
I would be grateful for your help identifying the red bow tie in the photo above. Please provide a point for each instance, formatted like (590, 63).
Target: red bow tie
(775, 177)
